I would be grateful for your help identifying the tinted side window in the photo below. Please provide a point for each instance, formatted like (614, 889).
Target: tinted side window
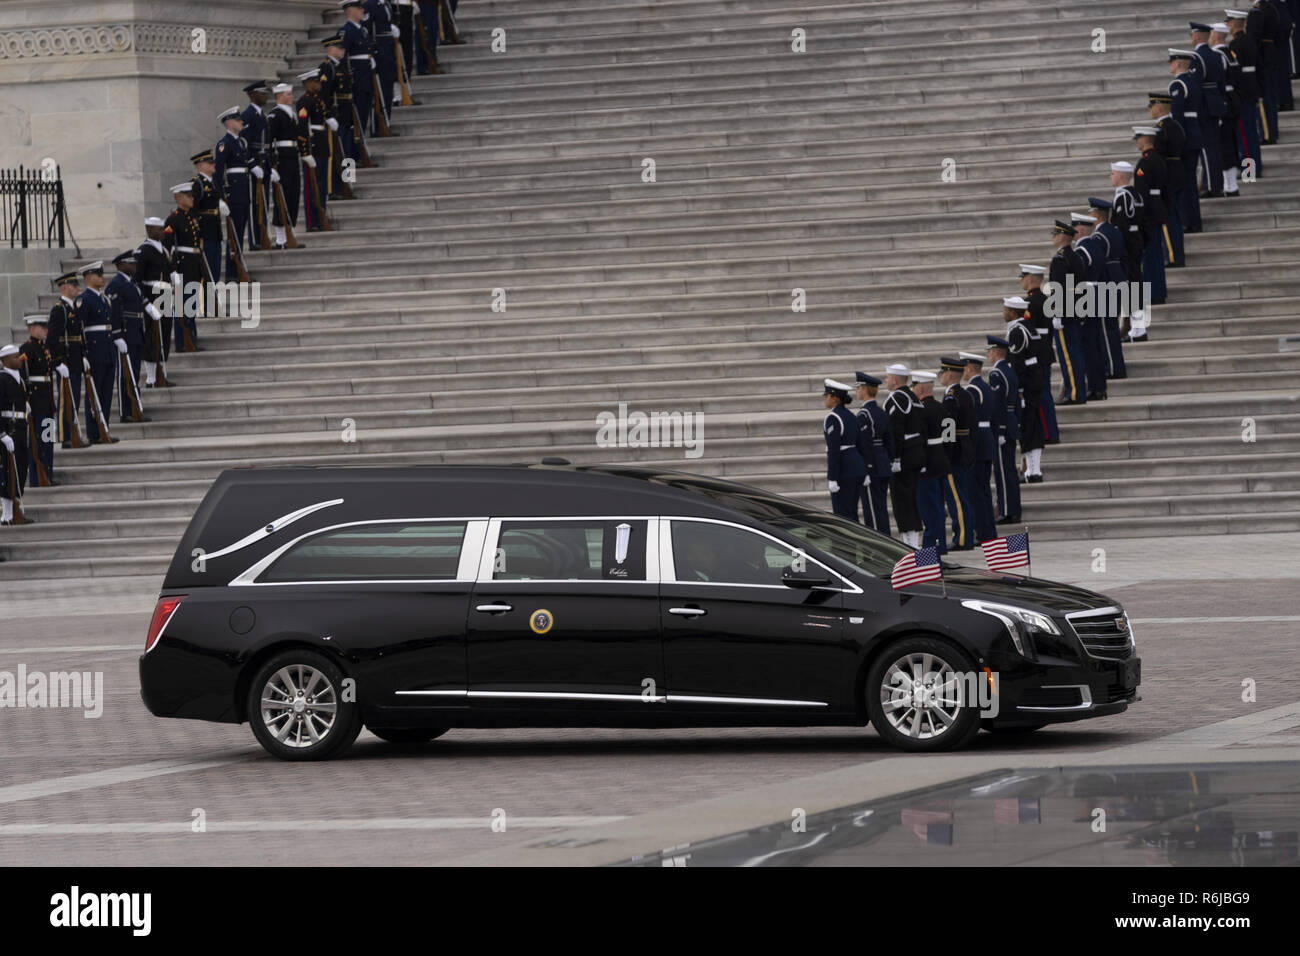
(395, 551)
(715, 552)
(604, 550)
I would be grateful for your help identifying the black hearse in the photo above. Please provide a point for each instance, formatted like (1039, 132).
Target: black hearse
(311, 601)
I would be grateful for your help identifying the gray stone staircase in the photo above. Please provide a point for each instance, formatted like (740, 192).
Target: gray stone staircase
(774, 170)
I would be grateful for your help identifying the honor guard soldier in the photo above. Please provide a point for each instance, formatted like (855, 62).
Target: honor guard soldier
(1150, 182)
(153, 274)
(1092, 253)
(360, 47)
(127, 305)
(287, 150)
(1006, 391)
(934, 474)
(1065, 272)
(1285, 51)
(1230, 146)
(255, 134)
(1117, 276)
(1264, 27)
(67, 345)
(336, 91)
(1245, 56)
(1126, 215)
(426, 30)
(42, 380)
(379, 19)
(1186, 107)
(845, 468)
(208, 210)
(1023, 355)
(959, 405)
(1171, 143)
(13, 430)
(988, 416)
(1031, 284)
(103, 343)
(181, 238)
(876, 445)
(907, 424)
(235, 178)
(404, 20)
(1209, 67)
(318, 160)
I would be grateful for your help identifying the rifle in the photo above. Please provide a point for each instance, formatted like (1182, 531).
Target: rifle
(66, 403)
(261, 216)
(15, 489)
(381, 118)
(42, 476)
(362, 152)
(133, 392)
(325, 225)
(290, 241)
(424, 42)
(336, 149)
(232, 242)
(402, 78)
(187, 340)
(104, 437)
(447, 24)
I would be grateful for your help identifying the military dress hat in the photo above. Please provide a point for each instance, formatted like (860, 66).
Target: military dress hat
(203, 157)
(834, 388)
(1015, 302)
(154, 221)
(1145, 131)
(1095, 202)
(335, 40)
(951, 364)
(899, 369)
(1063, 228)
(923, 377)
(865, 379)
(96, 267)
(1083, 218)
(36, 319)
(1199, 27)
(1123, 166)
(309, 75)
(8, 350)
(282, 88)
(232, 113)
(1180, 54)
(344, 4)
(185, 187)
(971, 358)
(121, 257)
(68, 277)
(997, 342)
(1157, 97)
(257, 86)
(1027, 270)
(1219, 27)
(1235, 14)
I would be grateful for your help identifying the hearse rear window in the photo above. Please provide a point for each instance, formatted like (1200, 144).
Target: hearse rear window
(396, 551)
(594, 550)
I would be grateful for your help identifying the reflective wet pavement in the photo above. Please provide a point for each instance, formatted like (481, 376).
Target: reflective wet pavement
(1207, 815)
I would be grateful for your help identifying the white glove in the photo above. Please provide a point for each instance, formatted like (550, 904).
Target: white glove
(85, 363)
(153, 311)
(8, 443)
(834, 486)
(121, 345)
(177, 282)
(275, 175)
(225, 210)
(896, 467)
(257, 171)
(372, 63)
(310, 161)
(332, 123)
(1057, 323)
(1002, 439)
(62, 370)
(396, 32)
(866, 481)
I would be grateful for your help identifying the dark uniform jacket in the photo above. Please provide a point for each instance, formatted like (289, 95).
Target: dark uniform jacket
(1065, 263)
(988, 417)
(1036, 315)
(66, 341)
(360, 47)
(182, 240)
(235, 161)
(843, 462)
(1006, 389)
(41, 377)
(1171, 143)
(127, 307)
(959, 405)
(936, 455)
(1245, 59)
(907, 424)
(1024, 356)
(205, 210)
(282, 126)
(1151, 183)
(1185, 106)
(875, 439)
(13, 415)
(336, 90)
(96, 315)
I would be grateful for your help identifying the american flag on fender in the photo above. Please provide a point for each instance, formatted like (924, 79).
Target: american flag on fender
(1007, 554)
(916, 567)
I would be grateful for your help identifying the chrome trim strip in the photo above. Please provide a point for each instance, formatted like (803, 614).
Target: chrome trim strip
(1092, 612)
(433, 693)
(271, 528)
(561, 695)
(1085, 695)
(577, 695)
(693, 699)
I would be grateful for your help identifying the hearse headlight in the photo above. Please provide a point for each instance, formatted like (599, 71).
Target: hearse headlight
(1021, 623)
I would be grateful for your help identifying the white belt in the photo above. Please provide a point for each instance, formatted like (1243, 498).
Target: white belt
(13, 414)
(986, 424)
(314, 128)
(236, 169)
(37, 378)
(359, 56)
(1189, 112)
(913, 435)
(187, 249)
(1228, 88)
(1247, 69)
(847, 447)
(1132, 228)
(934, 441)
(1031, 361)
(95, 328)
(1155, 192)
(285, 144)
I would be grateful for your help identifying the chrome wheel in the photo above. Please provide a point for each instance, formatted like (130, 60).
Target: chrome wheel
(921, 695)
(299, 705)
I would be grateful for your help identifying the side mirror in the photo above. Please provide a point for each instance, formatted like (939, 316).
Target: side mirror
(804, 580)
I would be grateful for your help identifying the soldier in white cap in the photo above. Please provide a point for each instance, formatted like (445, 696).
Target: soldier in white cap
(845, 468)
(988, 417)
(287, 148)
(908, 426)
(13, 430)
(1031, 283)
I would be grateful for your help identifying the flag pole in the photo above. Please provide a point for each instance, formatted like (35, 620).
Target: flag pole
(1028, 566)
(943, 582)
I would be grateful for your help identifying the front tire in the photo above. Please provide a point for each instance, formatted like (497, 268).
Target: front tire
(408, 735)
(296, 707)
(914, 696)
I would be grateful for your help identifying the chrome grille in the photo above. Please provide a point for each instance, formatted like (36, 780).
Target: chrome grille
(1104, 632)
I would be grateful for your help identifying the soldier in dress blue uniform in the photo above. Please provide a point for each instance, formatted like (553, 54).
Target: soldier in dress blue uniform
(1126, 215)
(182, 238)
(876, 445)
(1186, 106)
(360, 48)
(127, 305)
(845, 468)
(1150, 185)
(934, 475)
(103, 343)
(254, 133)
(153, 273)
(67, 346)
(1207, 69)
(1006, 391)
(235, 162)
(959, 405)
(1245, 56)
(13, 429)
(1117, 274)
(1171, 143)
(1229, 143)
(287, 149)
(379, 20)
(1064, 271)
(336, 91)
(1262, 25)
(988, 420)
(1023, 356)
(1031, 283)
(318, 159)
(1092, 253)
(907, 424)
(427, 11)
(208, 210)
(42, 382)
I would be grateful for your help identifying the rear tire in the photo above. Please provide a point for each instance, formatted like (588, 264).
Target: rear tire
(911, 697)
(296, 708)
(408, 735)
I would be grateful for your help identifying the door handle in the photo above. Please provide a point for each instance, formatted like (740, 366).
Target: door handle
(687, 611)
(494, 608)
